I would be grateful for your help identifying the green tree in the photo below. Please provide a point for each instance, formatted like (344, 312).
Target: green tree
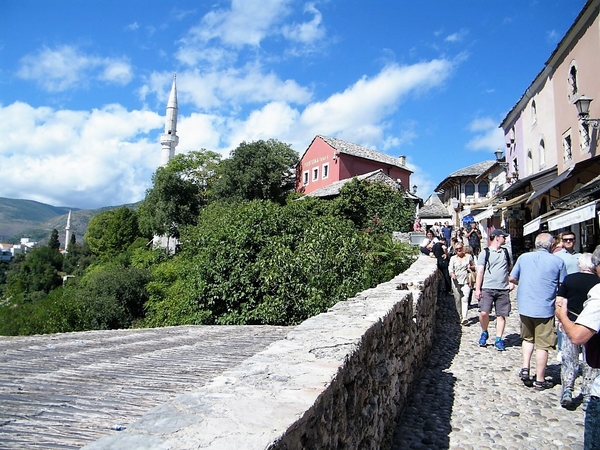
(54, 242)
(179, 191)
(78, 258)
(261, 263)
(111, 232)
(375, 206)
(34, 276)
(260, 170)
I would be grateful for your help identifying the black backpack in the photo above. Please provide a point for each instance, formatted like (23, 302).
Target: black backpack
(487, 257)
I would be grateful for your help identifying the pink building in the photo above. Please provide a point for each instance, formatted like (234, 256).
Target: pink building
(553, 153)
(328, 160)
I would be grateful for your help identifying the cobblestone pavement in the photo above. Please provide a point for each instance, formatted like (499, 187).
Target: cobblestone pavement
(469, 397)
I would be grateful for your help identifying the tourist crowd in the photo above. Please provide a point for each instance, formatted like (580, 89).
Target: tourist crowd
(552, 282)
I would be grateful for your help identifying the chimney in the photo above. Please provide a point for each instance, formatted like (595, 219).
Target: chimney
(402, 159)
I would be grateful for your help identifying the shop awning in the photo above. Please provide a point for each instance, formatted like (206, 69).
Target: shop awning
(513, 201)
(553, 183)
(484, 215)
(577, 215)
(492, 209)
(588, 189)
(535, 224)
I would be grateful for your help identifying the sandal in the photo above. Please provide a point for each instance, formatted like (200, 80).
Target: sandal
(541, 385)
(525, 378)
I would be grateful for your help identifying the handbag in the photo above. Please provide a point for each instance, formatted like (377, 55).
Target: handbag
(472, 277)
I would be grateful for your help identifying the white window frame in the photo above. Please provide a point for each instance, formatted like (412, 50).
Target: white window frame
(305, 178)
(325, 171)
(315, 173)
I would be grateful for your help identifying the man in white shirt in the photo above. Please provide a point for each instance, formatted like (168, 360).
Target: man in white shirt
(580, 332)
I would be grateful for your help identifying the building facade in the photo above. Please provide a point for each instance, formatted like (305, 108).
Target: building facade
(551, 150)
(328, 160)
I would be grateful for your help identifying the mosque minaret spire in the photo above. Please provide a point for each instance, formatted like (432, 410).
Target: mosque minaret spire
(169, 139)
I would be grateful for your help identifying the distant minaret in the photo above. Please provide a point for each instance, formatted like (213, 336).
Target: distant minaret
(68, 231)
(169, 138)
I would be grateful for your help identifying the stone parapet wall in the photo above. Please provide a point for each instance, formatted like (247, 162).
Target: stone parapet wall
(339, 380)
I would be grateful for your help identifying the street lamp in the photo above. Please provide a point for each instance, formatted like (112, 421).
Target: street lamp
(583, 110)
(499, 154)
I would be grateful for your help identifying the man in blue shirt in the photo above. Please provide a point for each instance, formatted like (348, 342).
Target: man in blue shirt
(568, 253)
(537, 274)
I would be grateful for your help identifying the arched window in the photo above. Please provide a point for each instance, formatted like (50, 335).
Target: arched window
(483, 188)
(529, 163)
(542, 153)
(533, 112)
(469, 189)
(573, 88)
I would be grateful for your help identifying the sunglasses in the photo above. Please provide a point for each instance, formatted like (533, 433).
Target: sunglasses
(569, 239)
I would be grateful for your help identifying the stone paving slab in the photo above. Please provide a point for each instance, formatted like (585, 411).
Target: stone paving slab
(62, 391)
(469, 397)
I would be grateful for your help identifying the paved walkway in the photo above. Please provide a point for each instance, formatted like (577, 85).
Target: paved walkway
(62, 391)
(468, 397)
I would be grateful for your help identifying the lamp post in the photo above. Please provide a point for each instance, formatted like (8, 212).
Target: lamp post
(583, 110)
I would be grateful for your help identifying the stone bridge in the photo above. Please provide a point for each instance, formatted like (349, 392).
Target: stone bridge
(338, 380)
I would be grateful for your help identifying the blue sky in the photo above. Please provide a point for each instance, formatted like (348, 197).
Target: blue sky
(84, 84)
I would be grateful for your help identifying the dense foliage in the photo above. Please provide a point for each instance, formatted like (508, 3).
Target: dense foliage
(261, 170)
(179, 192)
(246, 258)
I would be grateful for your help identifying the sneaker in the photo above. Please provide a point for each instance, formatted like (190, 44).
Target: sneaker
(483, 339)
(566, 400)
(499, 344)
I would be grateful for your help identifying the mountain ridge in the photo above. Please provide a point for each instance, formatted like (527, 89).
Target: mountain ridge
(20, 218)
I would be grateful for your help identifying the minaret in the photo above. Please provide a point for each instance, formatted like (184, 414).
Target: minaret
(169, 139)
(68, 231)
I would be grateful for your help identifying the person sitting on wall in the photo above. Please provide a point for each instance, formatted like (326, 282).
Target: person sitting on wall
(428, 243)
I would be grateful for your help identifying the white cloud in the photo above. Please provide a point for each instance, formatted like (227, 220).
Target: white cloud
(306, 32)
(488, 137)
(62, 68)
(371, 100)
(459, 36)
(246, 23)
(107, 156)
(118, 72)
(230, 88)
(77, 158)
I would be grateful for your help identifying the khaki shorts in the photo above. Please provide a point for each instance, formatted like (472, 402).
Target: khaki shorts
(539, 331)
(498, 298)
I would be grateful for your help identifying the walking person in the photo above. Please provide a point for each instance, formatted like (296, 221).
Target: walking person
(492, 287)
(447, 232)
(459, 267)
(574, 289)
(538, 275)
(585, 328)
(567, 253)
(440, 252)
(474, 238)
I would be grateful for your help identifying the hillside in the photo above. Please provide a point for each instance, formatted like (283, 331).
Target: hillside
(35, 220)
